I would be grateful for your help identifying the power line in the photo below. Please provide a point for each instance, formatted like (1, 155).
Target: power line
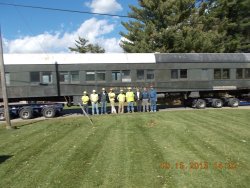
(62, 10)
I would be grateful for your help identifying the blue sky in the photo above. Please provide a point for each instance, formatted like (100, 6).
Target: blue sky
(26, 30)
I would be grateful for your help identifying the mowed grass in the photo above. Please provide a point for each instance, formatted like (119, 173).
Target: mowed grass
(130, 150)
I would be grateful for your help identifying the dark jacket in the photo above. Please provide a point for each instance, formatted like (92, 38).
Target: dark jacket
(103, 96)
(140, 96)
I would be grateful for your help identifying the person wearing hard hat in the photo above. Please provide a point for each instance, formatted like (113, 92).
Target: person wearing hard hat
(112, 101)
(130, 99)
(153, 99)
(94, 100)
(145, 99)
(85, 101)
(121, 98)
(103, 100)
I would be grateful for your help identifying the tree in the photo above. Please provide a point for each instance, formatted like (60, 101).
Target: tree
(83, 46)
(234, 22)
(187, 26)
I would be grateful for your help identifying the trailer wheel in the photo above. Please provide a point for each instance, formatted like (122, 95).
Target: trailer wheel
(233, 102)
(49, 112)
(217, 103)
(2, 116)
(200, 104)
(26, 113)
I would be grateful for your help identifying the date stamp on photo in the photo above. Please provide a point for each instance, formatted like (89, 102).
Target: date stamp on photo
(197, 165)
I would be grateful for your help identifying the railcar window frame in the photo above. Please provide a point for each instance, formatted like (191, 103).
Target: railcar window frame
(7, 78)
(116, 76)
(93, 74)
(72, 74)
(150, 74)
(239, 73)
(98, 73)
(174, 74)
(217, 74)
(140, 74)
(126, 78)
(64, 73)
(32, 75)
(46, 77)
(247, 73)
(183, 76)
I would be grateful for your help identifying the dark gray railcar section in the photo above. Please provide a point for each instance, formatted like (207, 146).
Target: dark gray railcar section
(200, 70)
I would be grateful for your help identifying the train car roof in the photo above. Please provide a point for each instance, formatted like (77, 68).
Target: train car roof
(70, 58)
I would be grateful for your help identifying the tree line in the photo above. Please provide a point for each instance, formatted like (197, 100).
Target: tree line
(185, 26)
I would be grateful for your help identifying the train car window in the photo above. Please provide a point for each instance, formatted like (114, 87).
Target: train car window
(183, 73)
(7, 78)
(225, 73)
(126, 76)
(140, 74)
(74, 76)
(217, 73)
(64, 77)
(247, 73)
(47, 77)
(34, 77)
(116, 75)
(150, 75)
(90, 76)
(174, 74)
(239, 73)
(101, 75)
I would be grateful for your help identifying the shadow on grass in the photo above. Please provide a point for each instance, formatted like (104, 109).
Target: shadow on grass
(3, 158)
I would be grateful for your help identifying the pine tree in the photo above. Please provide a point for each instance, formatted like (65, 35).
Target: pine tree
(170, 26)
(83, 46)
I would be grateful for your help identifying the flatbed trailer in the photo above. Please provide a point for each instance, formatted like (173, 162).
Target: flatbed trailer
(28, 111)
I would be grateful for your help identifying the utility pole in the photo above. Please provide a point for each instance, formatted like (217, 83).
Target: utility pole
(4, 89)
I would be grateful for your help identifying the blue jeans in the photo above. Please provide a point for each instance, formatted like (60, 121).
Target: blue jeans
(95, 107)
(103, 107)
(153, 105)
(130, 107)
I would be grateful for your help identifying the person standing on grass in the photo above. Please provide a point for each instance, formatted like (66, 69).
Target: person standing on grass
(112, 101)
(138, 98)
(103, 99)
(121, 98)
(130, 100)
(153, 99)
(145, 99)
(94, 101)
(85, 101)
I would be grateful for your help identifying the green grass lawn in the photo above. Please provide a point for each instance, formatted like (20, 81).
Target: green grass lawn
(194, 148)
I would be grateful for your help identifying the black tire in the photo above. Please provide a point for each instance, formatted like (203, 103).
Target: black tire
(49, 112)
(200, 104)
(2, 116)
(217, 103)
(26, 113)
(233, 102)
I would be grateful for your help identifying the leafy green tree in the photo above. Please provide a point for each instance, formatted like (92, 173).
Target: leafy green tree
(234, 23)
(83, 46)
(188, 26)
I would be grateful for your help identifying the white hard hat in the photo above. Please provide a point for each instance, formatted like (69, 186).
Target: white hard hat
(84, 92)
(94, 91)
(103, 89)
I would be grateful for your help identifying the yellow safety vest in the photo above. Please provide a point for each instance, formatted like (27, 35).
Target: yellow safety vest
(121, 97)
(111, 96)
(94, 98)
(85, 99)
(130, 96)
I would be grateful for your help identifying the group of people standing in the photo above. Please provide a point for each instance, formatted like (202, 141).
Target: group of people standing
(145, 100)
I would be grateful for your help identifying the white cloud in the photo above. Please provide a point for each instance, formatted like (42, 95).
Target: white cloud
(94, 30)
(104, 6)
